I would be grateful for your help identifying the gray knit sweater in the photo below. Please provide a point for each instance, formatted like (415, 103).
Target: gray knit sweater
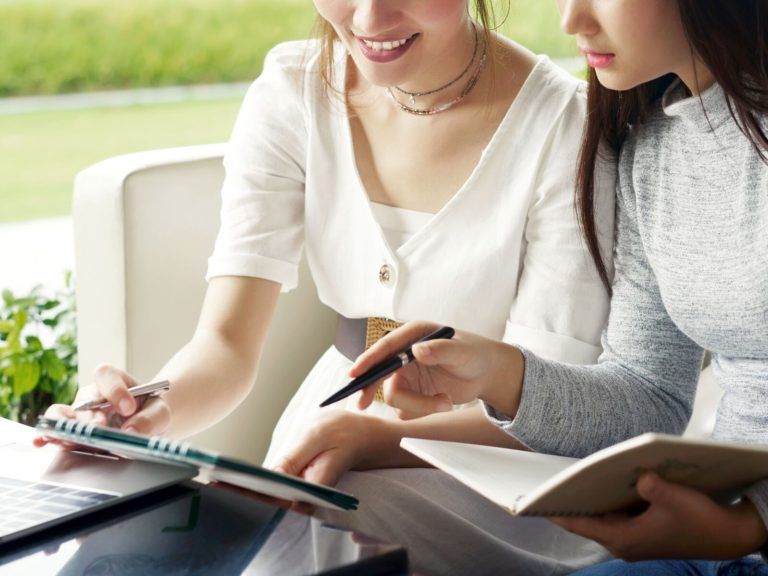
(691, 260)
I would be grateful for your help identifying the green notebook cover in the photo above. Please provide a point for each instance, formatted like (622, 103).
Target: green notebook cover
(223, 468)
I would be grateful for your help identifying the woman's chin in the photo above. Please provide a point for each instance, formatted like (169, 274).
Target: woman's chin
(614, 80)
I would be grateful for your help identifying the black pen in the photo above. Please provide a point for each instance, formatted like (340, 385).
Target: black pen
(385, 368)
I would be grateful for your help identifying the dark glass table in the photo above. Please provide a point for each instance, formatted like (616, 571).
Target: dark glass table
(195, 529)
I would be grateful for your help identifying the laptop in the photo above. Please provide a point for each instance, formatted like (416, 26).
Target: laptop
(42, 487)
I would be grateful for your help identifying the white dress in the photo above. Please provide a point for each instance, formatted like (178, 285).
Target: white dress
(503, 258)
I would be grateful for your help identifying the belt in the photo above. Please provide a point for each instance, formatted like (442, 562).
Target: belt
(355, 335)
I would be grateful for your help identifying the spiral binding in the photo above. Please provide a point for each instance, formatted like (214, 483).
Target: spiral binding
(157, 444)
(75, 429)
(166, 447)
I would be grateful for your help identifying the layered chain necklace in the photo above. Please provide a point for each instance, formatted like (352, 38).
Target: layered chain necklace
(410, 107)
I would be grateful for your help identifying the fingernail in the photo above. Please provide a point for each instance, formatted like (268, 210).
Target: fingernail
(126, 407)
(647, 483)
(130, 429)
(424, 349)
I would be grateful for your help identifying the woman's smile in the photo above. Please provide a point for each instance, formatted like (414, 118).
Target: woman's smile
(385, 50)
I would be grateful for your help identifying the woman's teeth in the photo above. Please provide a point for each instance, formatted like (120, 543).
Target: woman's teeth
(381, 46)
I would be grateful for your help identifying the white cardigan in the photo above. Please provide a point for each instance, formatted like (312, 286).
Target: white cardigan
(503, 258)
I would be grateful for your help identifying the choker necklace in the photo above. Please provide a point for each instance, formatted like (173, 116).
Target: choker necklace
(443, 107)
(413, 95)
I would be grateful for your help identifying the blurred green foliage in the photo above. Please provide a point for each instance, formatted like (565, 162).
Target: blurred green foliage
(536, 25)
(58, 46)
(38, 352)
(61, 46)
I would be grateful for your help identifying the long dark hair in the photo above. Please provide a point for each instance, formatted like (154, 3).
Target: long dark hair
(730, 37)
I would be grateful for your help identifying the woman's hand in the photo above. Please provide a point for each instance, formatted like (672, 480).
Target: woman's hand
(679, 523)
(338, 441)
(140, 415)
(446, 372)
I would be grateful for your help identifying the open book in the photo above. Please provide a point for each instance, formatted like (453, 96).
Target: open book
(531, 484)
(219, 467)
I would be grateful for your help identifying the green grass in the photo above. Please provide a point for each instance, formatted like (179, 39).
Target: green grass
(40, 153)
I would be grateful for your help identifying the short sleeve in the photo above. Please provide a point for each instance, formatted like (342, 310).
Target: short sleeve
(262, 214)
(561, 305)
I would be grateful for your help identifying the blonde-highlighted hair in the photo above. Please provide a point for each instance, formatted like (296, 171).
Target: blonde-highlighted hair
(484, 14)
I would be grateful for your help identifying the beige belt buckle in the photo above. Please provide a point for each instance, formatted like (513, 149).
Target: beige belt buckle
(376, 328)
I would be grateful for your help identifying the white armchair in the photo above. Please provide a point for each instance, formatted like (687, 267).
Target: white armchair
(144, 227)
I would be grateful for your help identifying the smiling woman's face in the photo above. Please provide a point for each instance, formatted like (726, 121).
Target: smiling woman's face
(628, 42)
(401, 42)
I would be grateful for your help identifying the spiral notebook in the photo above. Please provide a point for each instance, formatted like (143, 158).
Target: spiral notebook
(222, 468)
(531, 484)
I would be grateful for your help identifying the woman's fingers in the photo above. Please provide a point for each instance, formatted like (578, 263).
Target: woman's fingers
(444, 368)
(153, 418)
(112, 385)
(55, 411)
(326, 468)
(60, 411)
(301, 454)
(328, 448)
(366, 396)
(391, 345)
(443, 352)
(413, 404)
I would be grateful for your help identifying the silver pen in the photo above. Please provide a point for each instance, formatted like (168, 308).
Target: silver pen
(151, 389)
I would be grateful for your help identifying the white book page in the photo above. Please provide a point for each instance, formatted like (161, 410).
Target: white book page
(268, 487)
(500, 474)
(14, 433)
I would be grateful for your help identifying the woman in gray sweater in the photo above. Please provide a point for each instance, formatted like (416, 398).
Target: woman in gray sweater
(679, 89)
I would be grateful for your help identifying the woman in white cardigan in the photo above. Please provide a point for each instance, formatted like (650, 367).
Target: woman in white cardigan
(426, 165)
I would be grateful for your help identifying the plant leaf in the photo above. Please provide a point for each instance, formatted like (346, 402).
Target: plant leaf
(53, 366)
(25, 378)
(8, 298)
(45, 385)
(34, 344)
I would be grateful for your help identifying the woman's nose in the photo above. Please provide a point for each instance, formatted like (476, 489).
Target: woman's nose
(576, 17)
(376, 17)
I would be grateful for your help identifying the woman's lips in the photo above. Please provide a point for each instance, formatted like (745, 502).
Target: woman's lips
(384, 55)
(599, 60)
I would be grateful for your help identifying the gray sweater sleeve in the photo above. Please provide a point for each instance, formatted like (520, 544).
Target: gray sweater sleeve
(645, 379)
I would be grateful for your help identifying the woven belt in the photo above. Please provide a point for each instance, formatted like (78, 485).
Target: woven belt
(356, 335)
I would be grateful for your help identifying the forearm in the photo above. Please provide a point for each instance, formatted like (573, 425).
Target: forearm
(469, 425)
(214, 372)
(504, 387)
(209, 378)
(576, 410)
